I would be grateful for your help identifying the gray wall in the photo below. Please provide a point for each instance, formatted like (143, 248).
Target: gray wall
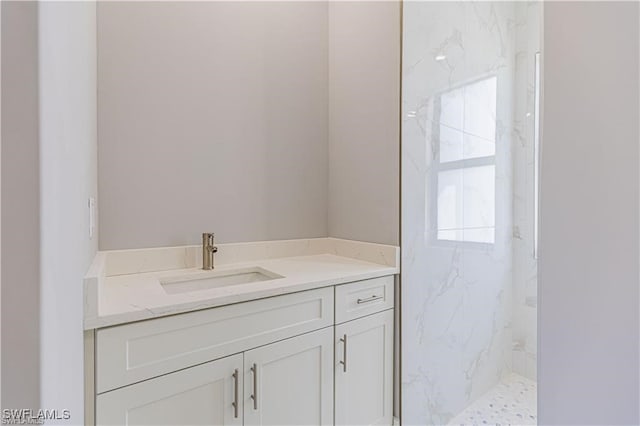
(258, 121)
(68, 177)
(364, 133)
(588, 270)
(212, 116)
(20, 207)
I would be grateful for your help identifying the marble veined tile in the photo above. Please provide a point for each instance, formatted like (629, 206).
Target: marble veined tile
(469, 276)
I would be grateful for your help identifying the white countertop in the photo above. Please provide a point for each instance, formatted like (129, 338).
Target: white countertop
(112, 299)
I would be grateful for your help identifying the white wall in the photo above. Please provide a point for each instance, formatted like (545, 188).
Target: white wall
(212, 117)
(254, 120)
(20, 207)
(364, 123)
(588, 264)
(68, 177)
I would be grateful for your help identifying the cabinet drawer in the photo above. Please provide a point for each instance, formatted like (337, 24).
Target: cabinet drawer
(133, 352)
(355, 300)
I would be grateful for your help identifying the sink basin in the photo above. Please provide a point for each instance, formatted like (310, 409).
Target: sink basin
(206, 280)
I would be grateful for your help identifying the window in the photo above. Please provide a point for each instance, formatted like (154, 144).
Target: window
(464, 129)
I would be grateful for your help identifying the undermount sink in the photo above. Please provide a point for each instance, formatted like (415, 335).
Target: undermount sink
(205, 280)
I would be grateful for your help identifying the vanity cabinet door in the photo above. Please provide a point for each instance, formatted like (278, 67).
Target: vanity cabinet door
(364, 370)
(206, 394)
(290, 382)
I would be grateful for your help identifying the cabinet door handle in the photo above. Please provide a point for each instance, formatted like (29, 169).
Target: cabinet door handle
(235, 393)
(344, 353)
(368, 299)
(254, 396)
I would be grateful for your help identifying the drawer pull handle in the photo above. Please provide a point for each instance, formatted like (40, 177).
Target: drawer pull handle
(254, 370)
(235, 393)
(344, 353)
(368, 299)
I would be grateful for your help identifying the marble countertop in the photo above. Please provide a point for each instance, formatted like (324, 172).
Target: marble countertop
(118, 289)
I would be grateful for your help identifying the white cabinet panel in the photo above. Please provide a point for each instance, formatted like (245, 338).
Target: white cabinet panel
(200, 395)
(133, 352)
(364, 371)
(290, 382)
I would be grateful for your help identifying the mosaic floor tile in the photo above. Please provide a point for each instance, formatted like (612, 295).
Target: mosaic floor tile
(511, 402)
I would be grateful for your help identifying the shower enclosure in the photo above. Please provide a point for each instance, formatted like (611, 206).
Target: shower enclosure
(470, 144)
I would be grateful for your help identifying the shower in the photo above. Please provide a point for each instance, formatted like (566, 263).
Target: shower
(470, 147)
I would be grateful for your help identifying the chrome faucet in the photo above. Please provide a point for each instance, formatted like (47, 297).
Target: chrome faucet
(208, 250)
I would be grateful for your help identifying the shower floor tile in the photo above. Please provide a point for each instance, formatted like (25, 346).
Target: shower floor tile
(511, 402)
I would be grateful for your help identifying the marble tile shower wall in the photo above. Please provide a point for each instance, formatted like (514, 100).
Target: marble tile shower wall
(462, 139)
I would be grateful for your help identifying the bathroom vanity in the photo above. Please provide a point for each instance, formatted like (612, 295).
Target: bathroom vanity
(293, 332)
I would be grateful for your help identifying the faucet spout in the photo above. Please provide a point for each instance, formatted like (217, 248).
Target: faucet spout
(208, 250)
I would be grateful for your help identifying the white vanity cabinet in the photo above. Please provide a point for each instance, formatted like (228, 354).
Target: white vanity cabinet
(275, 361)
